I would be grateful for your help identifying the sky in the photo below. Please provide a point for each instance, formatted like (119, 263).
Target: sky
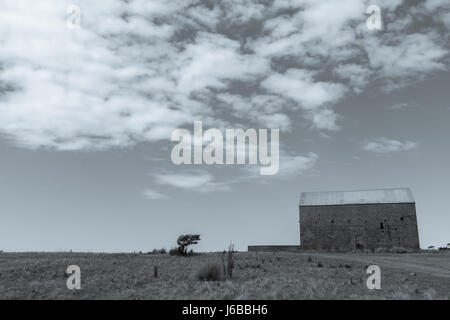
(87, 113)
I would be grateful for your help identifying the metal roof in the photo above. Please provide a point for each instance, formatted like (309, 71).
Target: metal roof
(329, 198)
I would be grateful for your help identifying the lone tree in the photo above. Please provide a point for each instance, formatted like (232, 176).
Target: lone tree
(186, 240)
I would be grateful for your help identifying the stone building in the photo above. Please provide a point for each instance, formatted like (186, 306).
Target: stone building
(365, 219)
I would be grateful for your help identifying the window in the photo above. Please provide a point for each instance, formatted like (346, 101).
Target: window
(381, 225)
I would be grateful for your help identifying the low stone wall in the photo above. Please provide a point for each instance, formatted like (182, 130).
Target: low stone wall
(274, 248)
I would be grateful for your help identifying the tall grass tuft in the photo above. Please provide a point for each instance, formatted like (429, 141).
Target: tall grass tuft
(228, 262)
(209, 272)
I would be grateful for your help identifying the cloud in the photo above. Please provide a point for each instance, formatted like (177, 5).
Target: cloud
(398, 106)
(297, 164)
(406, 57)
(264, 111)
(153, 194)
(357, 75)
(291, 165)
(198, 180)
(212, 60)
(149, 68)
(384, 145)
(275, 121)
(402, 105)
(300, 86)
(82, 89)
(308, 94)
(325, 119)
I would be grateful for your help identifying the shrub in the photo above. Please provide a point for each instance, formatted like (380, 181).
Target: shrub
(175, 252)
(211, 271)
(178, 252)
(158, 251)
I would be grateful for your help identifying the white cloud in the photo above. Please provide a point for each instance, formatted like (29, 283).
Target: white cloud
(265, 111)
(407, 56)
(297, 164)
(153, 194)
(136, 70)
(80, 89)
(275, 121)
(325, 119)
(384, 145)
(291, 165)
(198, 180)
(399, 106)
(309, 95)
(213, 60)
(300, 86)
(357, 75)
(436, 4)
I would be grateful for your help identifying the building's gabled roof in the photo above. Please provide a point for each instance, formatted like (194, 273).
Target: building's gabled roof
(330, 198)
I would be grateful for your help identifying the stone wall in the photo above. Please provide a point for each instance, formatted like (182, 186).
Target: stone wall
(359, 226)
(275, 248)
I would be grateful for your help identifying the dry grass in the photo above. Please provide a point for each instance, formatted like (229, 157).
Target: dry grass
(256, 276)
(211, 271)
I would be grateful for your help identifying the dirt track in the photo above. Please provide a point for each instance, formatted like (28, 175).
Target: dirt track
(436, 265)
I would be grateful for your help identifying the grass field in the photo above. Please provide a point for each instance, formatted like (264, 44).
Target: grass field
(281, 275)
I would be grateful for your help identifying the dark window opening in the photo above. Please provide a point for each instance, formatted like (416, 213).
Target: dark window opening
(381, 225)
(332, 221)
(401, 219)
